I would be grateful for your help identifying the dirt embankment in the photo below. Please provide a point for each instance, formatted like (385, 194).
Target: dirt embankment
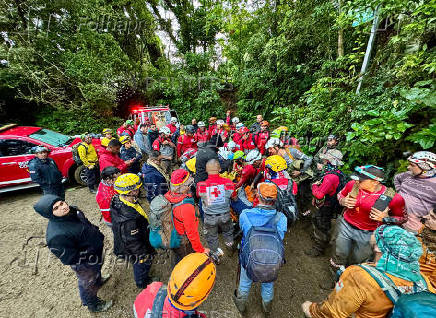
(35, 284)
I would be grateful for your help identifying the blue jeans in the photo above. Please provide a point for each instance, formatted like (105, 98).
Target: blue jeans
(140, 273)
(89, 281)
(267, 289)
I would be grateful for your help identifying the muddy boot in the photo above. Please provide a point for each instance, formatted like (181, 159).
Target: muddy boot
(100, 306)
(330, 282)
(267, 308)
(240, 301)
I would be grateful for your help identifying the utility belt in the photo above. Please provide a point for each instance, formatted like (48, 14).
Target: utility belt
(219, 214)
(356, 228)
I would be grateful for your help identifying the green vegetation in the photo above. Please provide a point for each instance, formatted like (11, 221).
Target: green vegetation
(296, 62)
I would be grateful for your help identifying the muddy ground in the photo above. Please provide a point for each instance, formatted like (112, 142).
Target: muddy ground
(35, 284)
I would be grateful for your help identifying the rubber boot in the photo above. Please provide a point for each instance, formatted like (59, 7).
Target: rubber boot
(240, 301)
(267, 308)
(100, 306)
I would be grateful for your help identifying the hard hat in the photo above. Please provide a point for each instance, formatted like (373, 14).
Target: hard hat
(283, 128)
(124, 139)
(179, 177)
(276, 163)
(264, 123)
(165, 130)
(39, 149)
(85, 135)
(191, 281)
(201, 124)
(239, 126)
(190, 164)
(253, 156)
(129, 122)
(220, 122)
(107, 131)
(190, 129)
(109, 172)
(235, 120)
(238, 155)
(127, 182)
(273, 142)
(174, 120)
(425, 160)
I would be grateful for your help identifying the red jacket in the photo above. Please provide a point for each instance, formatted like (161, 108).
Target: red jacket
(107, 159)
(185, 142)
(172, 127)
(129, 129)
(211, 129)
(328, 186)
(260, 140)
(248, 144)
(359, 215)
(104, 197)
(247, 176)
(222, 132)
(185, 220)
(143, 304)
(202, 136)
(158, 141)
(237, 138)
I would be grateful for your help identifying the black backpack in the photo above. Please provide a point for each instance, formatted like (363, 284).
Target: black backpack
(343, 180)
(75, 152)
(287, 204)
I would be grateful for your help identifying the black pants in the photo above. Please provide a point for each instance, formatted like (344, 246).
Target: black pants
(92, 177)
(322, 224)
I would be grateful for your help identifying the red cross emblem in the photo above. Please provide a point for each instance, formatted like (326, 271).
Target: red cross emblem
(216, 192)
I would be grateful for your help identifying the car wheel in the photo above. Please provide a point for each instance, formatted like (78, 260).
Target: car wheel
(80, 175)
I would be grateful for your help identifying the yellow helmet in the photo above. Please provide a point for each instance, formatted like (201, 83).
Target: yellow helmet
(190, 164)
(191, 281)
(283, 128)
(107, 131)
(276, 163)
(127, 182)
(124, 139)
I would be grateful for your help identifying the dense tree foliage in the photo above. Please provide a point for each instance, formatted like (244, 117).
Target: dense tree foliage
(297, 62)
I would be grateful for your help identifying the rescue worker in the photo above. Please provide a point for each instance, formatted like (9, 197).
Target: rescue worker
(184, 293)
(156, 180)
(325, 200)
(261, 137)
(361, 218)
(228, 117)
(332, 143)
(130, 228)
(220, 130)
(246, 142)
(184, 215)
(107, 136)
(106, 192)
(126, 129)
(173, 125)
(212, 125)
(238, 164)
(255, 128)
(110, 157)
(259, 217)
(427, 236)
(89, 157)
(204, 155)
(128, 153)
(235, 121)
(418, 187)
(44, 171)
(166, 147)
(237, 135)
(215, 193)
(77, 243)
(202, 134)
(253, 161)
(358, 294)
(186, 141)
(142, 139)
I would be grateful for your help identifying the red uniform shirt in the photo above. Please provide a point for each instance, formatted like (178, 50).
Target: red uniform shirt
(184, 143)
(129, 130)
(211, 129)
(247, 176)
(104, 197)
(107, 159)
(202, 136)
(328, 186)
(158, 141)
(172, 127)
(222, 132)
(359, 215)
(248, 144)
(260, 140)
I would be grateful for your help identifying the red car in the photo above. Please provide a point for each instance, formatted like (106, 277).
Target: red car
(16, 143)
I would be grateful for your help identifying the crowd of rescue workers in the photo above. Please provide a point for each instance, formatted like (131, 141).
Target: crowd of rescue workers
(248, 185)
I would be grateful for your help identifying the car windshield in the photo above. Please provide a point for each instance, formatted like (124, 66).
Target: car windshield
(51, 137)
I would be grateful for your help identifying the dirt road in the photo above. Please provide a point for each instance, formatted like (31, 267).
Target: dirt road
(35, 284)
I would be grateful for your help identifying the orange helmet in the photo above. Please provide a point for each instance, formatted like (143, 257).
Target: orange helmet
(191, 281)
(264, 123)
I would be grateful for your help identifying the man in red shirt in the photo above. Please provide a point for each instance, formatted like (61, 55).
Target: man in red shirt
(325, 200)
(106, 192)
(184, 215)
(110, 157)
(237, 136)
(262, 137)
(361, 217)
(186, 141)
(220, 130)
(166, 147)
(246, 142)
(173, 125)
(202, 134)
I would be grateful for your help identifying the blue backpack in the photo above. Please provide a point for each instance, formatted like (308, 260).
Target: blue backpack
(262, 253)
(418, 304)
(161, 223)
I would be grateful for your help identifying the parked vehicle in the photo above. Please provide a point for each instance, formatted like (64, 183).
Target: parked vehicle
(16, 143)
(158, 115)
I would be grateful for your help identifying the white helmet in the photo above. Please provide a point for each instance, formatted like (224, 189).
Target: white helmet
(273, 142)
(225, 154)
(425, 160)
(220, 122)
(231, 145)
(201, 124)
(235, 120)
(239, 126)
(174, 120)
(165, 130)
(253, 156)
